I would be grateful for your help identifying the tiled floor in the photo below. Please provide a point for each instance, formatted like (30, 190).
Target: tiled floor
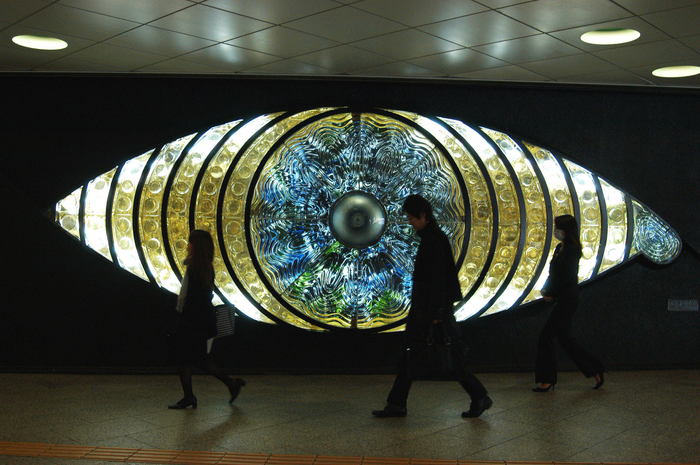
(645, 416)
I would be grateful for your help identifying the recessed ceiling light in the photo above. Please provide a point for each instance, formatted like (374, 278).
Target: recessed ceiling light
(39, 42)
(610, 36)
(676, 71)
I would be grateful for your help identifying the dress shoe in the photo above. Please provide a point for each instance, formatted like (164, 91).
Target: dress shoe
(234, 388)
(599, 380)
(544, 389)
(184, 403)
(390, 411)
(478, 407)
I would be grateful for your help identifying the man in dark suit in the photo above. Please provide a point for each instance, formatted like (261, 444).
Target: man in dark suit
(435, 290)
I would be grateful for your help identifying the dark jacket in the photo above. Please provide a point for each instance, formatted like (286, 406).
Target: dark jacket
(198, 311)
(435, 283)
(563, 271)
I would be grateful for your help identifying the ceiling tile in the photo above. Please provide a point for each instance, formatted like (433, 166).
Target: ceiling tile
(274, 11)
(552, 15)
(406, 44)
(345, 24)
(159, 41)
(343, 59)
(641, 7)
(77, 23)
(457, 62)
(609, 77)
(210, 23)
(288, 67)
(570, 65)
(13, 57)
(648, 33)
(133, 10)
(417, 12)
(648, 54)
(480, 28)
(677, 23)
(539, 47)
(504, 73)
(500, 3)
(397, 69)
(15, 11)
(229, 58)
(177, 65)
(80, 65)
(124, 59)
(282, 42)
(692, 41)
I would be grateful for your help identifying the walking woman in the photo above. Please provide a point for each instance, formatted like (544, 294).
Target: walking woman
(561, 288)
(197, 321)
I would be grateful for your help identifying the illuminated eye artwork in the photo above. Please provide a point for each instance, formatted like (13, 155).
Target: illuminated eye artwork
(305, 212)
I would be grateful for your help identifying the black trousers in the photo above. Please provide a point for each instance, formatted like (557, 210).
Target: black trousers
(558, 326)
(402, 385)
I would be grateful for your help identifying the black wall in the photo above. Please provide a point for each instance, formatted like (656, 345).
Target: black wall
(65, 308)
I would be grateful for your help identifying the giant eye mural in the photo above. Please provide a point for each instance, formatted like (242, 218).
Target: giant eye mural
(305, 212)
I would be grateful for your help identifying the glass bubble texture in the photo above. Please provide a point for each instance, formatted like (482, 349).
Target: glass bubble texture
(264, 186)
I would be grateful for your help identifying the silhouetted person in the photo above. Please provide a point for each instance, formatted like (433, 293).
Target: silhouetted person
(197, 321)
(435, 290)
(561, 288)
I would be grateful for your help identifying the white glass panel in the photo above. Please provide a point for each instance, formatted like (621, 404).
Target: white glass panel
(151, 230)
(590, 223)
(68, 212)
(95, 210)
(561, 204)
(123, 215)
(617, 226)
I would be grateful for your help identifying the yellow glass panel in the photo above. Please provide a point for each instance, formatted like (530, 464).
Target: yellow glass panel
(560, 198)
(616, 210)
(151, 230)
(207, 200)
(96, 194)
(68, 212)
(180, 194)
(479, 204)
(535, 221)
(123, 215)
(233, 217)
(590, 221)
(508, 220)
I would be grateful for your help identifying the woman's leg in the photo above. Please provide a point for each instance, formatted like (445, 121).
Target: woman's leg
(546, 360)
(185, 373)
(588, 364)
(234, 385)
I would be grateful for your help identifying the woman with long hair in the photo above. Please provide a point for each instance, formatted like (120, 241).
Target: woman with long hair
(197, 322)
(561, 288)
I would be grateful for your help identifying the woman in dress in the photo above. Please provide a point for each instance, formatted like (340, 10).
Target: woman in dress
(196, 321)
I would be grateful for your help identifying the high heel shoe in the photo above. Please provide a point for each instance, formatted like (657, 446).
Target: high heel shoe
(544, 389)
(184, 403)
(599, 380)
(234, 388)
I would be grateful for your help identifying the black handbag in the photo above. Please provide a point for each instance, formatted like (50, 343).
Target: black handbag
(439, 357)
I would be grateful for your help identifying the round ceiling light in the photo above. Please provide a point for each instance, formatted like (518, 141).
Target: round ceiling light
(610, 36)
(676, 71)
(39, 42)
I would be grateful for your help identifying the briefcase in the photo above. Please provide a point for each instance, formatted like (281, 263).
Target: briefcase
(439, 357)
